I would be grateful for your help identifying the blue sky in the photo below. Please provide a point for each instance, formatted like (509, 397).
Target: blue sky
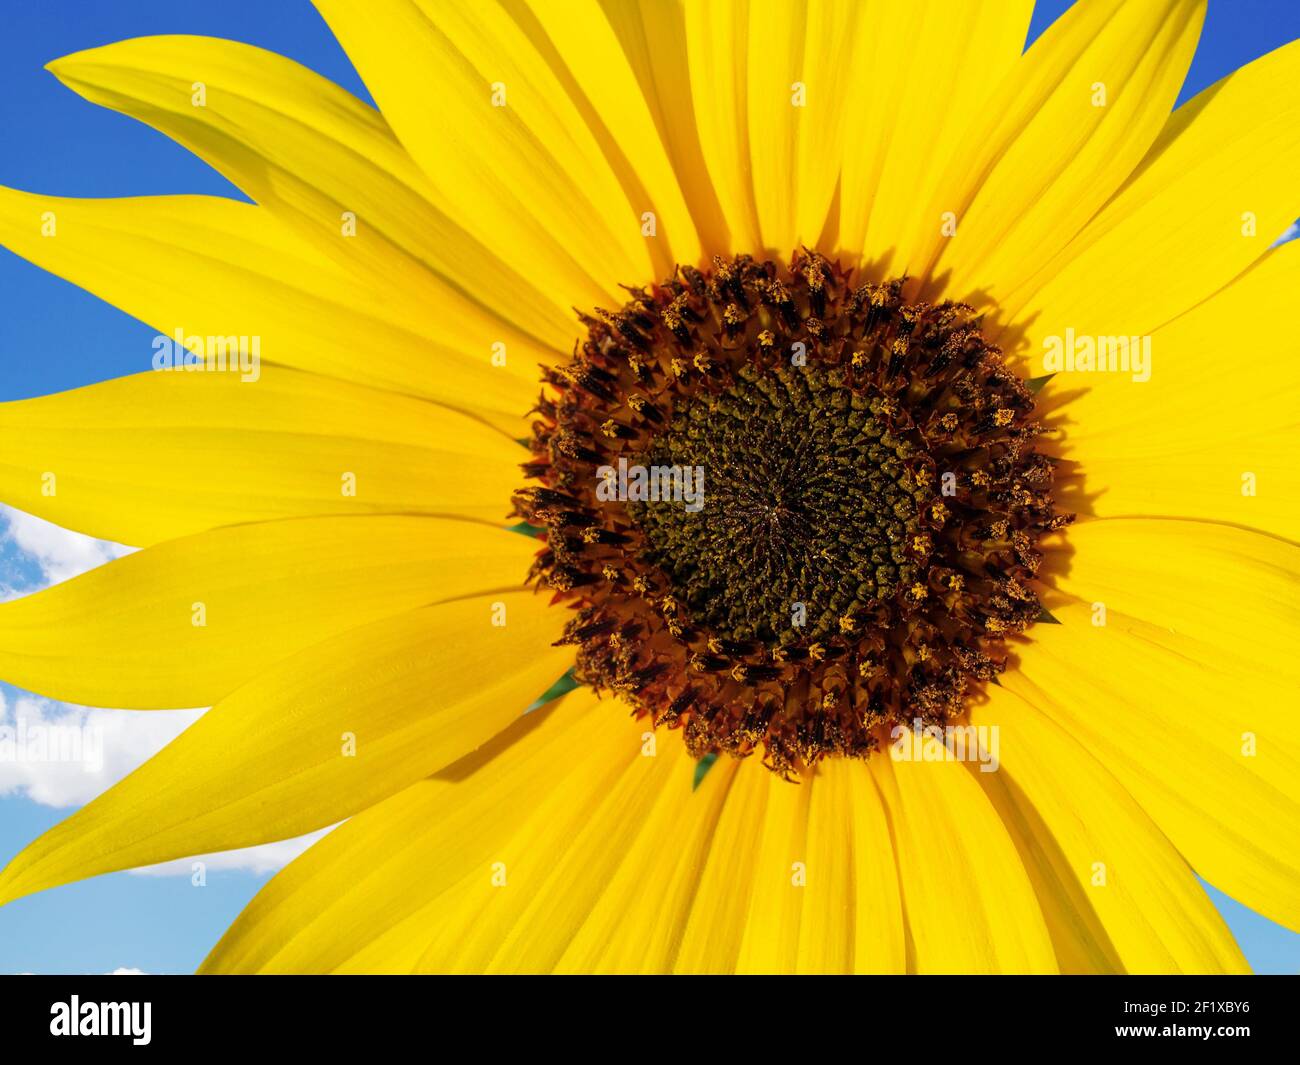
(54, 337)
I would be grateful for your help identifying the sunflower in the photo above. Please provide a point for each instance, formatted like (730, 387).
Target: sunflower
(888, 434)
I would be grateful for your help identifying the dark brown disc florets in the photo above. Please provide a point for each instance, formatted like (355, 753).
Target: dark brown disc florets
(790, 511)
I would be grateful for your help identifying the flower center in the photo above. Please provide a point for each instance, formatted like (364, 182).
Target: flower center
(810, 502)
(791, 511)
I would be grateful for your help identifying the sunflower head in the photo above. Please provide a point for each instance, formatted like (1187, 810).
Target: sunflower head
(787, 505)
(793, 510)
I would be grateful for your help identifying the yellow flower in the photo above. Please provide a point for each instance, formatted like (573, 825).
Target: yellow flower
(325, 560)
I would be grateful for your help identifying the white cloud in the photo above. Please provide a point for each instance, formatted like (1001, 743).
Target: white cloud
(54, 753)
(60, 553)
(120, 971)
(61, 755)
(267, 858)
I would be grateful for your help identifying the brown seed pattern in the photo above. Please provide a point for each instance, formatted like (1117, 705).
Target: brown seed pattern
(871, 513)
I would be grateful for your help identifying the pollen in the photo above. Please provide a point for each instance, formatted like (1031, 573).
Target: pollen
(804, 576)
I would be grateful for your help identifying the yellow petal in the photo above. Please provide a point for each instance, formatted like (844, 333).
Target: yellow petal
(1193, 711)
(653, 38)
(526, 177)
(315, 156)
(969, 902)
(160, 455)
(186, 622)
(318, 737)
(1215, 190)
(769, 80)
(562, 885)
(1062, 134)
(852, 917)
(203, 267)
(716, 926)
(800, 60)
(500, 862)
(770, 940)
(1116, 894)
(774, 72)
(1208, 435)
(801, 880)
(717, 47)
(579, 40)
(356, 890)
(636, 923)
(923, 73)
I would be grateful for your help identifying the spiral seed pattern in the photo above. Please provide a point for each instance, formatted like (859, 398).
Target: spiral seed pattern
(872, 507)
